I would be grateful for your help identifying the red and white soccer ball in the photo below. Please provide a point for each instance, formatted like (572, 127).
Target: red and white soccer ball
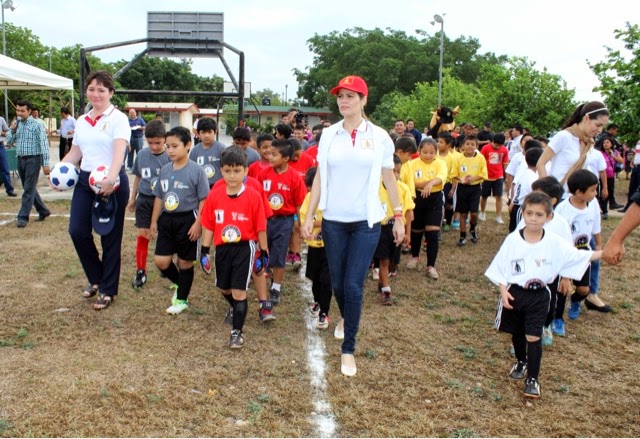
(98, 175)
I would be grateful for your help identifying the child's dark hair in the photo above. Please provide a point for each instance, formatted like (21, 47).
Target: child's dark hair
(446, 136)
(240, 133)
(531, 143)
(406, 144)
(472, 138)
(550, 186)
(233, 156)
(581, 180)
(396, 160)
(542, 139)
(264, 137)
(499, 138)
(181, 133)
(538, 198)
(207, 124)
(428, 141)
(299, 127)
(309, 176)
(284, 129)
(297, 146)
(532, 156)
(155, 128)
(285, 147)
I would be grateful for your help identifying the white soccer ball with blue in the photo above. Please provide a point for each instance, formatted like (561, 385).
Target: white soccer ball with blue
(64, 176)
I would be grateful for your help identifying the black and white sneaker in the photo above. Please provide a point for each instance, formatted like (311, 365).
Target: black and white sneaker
(519, 370)
(474, 236)
(274, 296)
(531, 388)
(228, 318)
(140, 279)
(462, 242)
(315, 309)
(236, 341)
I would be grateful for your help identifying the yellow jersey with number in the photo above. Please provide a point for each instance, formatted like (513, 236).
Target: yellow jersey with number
(425, 172)
(475, 166)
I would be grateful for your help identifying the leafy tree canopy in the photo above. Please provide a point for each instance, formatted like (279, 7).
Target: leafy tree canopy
(619, 76)
(391, 61)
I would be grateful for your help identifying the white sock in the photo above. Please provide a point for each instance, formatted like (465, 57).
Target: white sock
(275, 286)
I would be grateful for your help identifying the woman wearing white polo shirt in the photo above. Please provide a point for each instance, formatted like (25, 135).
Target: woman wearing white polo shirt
(100, 138)
(570, 150)
(352, 156)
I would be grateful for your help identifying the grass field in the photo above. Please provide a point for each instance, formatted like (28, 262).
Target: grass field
(431, 365)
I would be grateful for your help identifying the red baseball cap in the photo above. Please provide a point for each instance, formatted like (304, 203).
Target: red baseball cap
(353, 83)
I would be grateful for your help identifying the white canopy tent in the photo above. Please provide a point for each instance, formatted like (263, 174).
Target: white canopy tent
(16, 75)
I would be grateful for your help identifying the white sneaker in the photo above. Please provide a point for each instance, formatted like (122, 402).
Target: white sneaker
(482, 216)
(432, 273)
(177, 306)
(413, 263)
(499, 220)
(376, 274)
(339, 331)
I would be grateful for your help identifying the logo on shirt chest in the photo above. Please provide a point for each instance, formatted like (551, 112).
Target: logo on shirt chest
(276, 201)
(517, 266)
(239, 216)
(146, 172)
(219, 216)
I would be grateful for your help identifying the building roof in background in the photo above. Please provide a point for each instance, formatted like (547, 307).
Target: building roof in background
(283, 109)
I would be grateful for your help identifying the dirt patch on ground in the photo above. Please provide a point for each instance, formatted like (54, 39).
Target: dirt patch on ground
(431, 365)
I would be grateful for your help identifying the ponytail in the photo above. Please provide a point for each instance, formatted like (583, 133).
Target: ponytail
(593, 109)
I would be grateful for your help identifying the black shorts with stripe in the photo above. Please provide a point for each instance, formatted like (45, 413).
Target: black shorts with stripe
(234, 265)
(530, 308)
(173, 235)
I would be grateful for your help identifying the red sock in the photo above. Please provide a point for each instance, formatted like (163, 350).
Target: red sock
(142, 249)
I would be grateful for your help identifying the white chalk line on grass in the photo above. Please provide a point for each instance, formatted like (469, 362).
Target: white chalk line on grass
(53, 215)
(323, 416)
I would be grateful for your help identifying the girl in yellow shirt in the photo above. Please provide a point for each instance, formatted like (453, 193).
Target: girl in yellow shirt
(430, 175)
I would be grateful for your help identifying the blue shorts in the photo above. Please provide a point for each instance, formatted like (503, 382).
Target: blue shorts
(279, 230)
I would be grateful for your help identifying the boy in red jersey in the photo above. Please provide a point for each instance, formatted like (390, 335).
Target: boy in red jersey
(264, 148)
(234, 217)
(265, 310)
(497, 157)
(285, 191)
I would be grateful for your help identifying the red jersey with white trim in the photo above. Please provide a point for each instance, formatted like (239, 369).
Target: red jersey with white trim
(285, 191)
(302, 165)
(234, 218)
(252, 182)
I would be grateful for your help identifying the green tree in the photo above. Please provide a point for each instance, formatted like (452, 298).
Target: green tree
(423, 100)
(517, 92)
(276, 99)
(388, 60)
(619, 76)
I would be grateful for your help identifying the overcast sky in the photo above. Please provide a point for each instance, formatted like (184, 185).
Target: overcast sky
(558, 34)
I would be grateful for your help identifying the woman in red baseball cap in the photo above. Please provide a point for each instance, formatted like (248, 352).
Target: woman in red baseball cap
(353, 155)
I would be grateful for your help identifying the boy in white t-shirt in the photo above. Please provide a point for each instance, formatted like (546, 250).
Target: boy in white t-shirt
(583, 215)
(527, 262)
(522, 185)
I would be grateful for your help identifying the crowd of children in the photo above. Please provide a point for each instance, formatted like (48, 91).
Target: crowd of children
(248, 205)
